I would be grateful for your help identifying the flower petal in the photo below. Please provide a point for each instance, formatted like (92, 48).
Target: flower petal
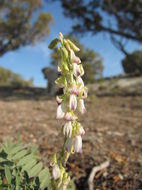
(73, 102)
(60, 112)
(56, 172)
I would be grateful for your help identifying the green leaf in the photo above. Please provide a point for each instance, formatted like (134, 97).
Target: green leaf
(53, 43)
(15, 149)
(20, 155)
(25, 160)
(44, 177)
(2, 160)
(71, 186)
(35, 170)
(7, 174)
(29, 165)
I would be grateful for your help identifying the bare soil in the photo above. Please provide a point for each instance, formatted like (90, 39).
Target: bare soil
(113, 132)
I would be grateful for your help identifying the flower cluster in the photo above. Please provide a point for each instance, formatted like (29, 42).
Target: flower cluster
(70, 103)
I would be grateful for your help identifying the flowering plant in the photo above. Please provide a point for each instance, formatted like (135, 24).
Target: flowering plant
(69, 104)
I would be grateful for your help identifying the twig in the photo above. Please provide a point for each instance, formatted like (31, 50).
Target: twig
(94, 171)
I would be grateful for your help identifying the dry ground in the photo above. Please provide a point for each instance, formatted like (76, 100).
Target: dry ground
(113, 131)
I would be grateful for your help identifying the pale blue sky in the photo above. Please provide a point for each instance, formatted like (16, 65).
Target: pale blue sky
(28, 61)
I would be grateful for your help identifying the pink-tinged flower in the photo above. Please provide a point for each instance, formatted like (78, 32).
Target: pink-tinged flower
(78, 144)
(69, 144)
(69, 116)
(78, 70)
(60, 112)
(74, 58)
(73, 102)
(56, 172)
(80, 82)
(58, 100)
(74, 89)
(81, 106)
(81, 131)
(67, 130)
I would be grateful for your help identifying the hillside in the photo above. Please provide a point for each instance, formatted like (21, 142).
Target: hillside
(117, 86)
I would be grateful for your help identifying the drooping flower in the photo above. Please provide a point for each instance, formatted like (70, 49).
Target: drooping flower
(78, 70)
(58, 100)
(78, 144)
(73, 102)
(56, 172)
(67, 130)
(74, 58)
(60, 112)
(80, 82)
(81, 131)
(69, 144)
(81, 106)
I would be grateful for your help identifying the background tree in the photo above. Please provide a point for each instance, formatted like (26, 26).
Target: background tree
(92, 61)
(18, 27)
(9, 78)
(121, 19)
(132, 63)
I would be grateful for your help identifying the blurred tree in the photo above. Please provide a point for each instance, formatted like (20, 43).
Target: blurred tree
(9, 78)
(92, 62)
(132, 63)
(119, 18)
(18, 27)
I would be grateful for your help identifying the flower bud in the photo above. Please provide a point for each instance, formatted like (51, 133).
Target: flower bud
(78, 144)
(73, 46)
(67, 130)
(56, 172)
(61, 36)
(65, 52)
(67, 45)
(73, 102)
(60, 113)
(81, 106)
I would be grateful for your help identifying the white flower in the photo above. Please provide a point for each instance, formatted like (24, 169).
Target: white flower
(56, 172)
(81, 106)
(81, 131)
(78, 144)
(80, 82)
(73, 102)
(74, 58)
(78, 70)
(60, 112)
(67, 130)
(69, 144)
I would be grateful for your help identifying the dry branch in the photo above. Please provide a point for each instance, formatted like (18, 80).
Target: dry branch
(94, 171)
